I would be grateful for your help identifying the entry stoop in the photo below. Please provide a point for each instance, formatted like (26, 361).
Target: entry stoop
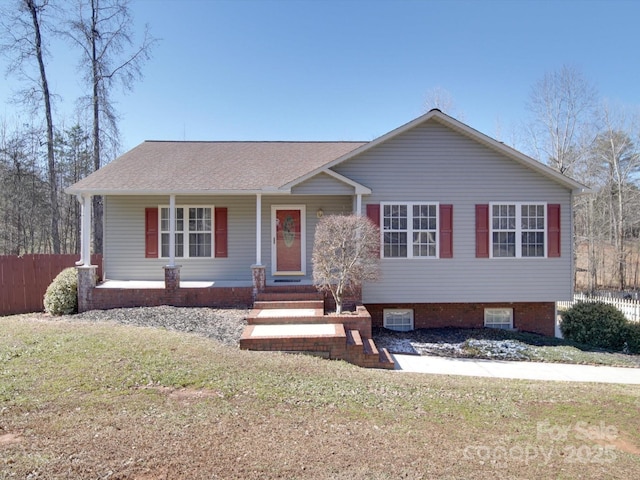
(295, 322)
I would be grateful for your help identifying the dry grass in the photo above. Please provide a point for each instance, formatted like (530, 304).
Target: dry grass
(80, 400)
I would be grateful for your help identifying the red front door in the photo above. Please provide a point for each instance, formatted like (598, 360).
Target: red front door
(288, 240)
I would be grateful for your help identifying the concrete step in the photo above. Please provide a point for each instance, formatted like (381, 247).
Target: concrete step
(328, 340)
(354, 338)
(278, 295)
(370, 347)
(274, 316)
(293, 304)
(386, 360)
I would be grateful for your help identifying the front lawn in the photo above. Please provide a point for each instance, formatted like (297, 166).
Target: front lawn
(101, 400)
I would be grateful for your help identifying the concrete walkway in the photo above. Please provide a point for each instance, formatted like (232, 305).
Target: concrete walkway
(519, 370)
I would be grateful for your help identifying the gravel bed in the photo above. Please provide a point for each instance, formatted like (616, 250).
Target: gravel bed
(223, 325)
(456, 342)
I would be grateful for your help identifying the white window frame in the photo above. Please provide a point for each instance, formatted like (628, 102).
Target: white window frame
(498, 312)
(518, 228)
(185, 231)
(402, 311)
(410, 230)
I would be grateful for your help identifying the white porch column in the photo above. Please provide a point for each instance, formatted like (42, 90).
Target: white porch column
(172, 230)
(81, 202)
(359, 204)
(85, 230)
(258, 229)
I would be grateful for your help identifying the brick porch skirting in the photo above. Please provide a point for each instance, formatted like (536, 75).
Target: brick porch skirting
(537, 317)
(218, 297)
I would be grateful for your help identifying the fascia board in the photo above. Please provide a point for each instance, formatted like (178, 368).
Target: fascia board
(73, 191)
(359, 189)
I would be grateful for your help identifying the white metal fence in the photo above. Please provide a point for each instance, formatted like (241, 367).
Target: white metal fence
(630, 307)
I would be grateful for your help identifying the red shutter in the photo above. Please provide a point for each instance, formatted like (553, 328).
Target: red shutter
(221, 232)
(482, 231)
(553, 230)
(151, 232)
(373, 213)
(446, 231)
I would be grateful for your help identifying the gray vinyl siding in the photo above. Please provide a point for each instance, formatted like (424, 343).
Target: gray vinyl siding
(434, 163)
(124, 246)
(124, 243)
(323, 184)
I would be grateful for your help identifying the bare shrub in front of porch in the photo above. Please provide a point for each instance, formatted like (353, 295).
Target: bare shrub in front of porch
(345, 254)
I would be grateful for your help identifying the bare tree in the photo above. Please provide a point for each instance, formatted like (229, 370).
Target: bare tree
(102, 29)
(562, 105)
(618, 159)
(345, 254)
(23, 42)
(441, 99)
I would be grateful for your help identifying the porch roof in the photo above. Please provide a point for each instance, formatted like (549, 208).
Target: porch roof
(162, 167)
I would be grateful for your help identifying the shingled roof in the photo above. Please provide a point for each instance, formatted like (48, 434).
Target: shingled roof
(164, 167)
(210, 167)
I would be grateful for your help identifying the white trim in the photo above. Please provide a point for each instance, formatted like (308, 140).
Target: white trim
(185, 230)
(410, 230)
(303, 239)
(500, 310)
(518, 229)
(258, 229)
(358, 188)
(85, 238)
(172, 231)
(385, 320)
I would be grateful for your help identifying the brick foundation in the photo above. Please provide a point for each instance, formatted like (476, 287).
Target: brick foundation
(106, 298)
(258, 273)
(86, 285)
(172, 277)
(537, 317)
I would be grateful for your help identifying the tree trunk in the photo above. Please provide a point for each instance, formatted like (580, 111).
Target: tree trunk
(97, 200)
(51, 166)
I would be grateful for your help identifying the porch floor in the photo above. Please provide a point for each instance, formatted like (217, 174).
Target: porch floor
(159, 284)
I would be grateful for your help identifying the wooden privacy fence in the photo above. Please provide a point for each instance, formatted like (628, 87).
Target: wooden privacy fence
(24, 280)
(630, 307)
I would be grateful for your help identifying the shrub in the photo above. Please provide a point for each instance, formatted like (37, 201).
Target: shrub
(632, 337)
(61, 297)
(597, 324)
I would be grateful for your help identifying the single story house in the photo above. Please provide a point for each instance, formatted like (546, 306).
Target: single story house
(472, 232)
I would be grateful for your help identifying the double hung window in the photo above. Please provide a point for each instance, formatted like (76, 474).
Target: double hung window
(410, 230)
(518, 230)
(193, 232)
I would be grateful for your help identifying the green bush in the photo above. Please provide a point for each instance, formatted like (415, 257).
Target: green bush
(632, 337)
(597, 324)
(61, 297)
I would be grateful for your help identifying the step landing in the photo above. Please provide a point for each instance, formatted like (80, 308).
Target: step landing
(299, 325)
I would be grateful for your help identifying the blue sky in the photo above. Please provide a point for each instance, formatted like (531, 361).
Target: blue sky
(354, 69)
